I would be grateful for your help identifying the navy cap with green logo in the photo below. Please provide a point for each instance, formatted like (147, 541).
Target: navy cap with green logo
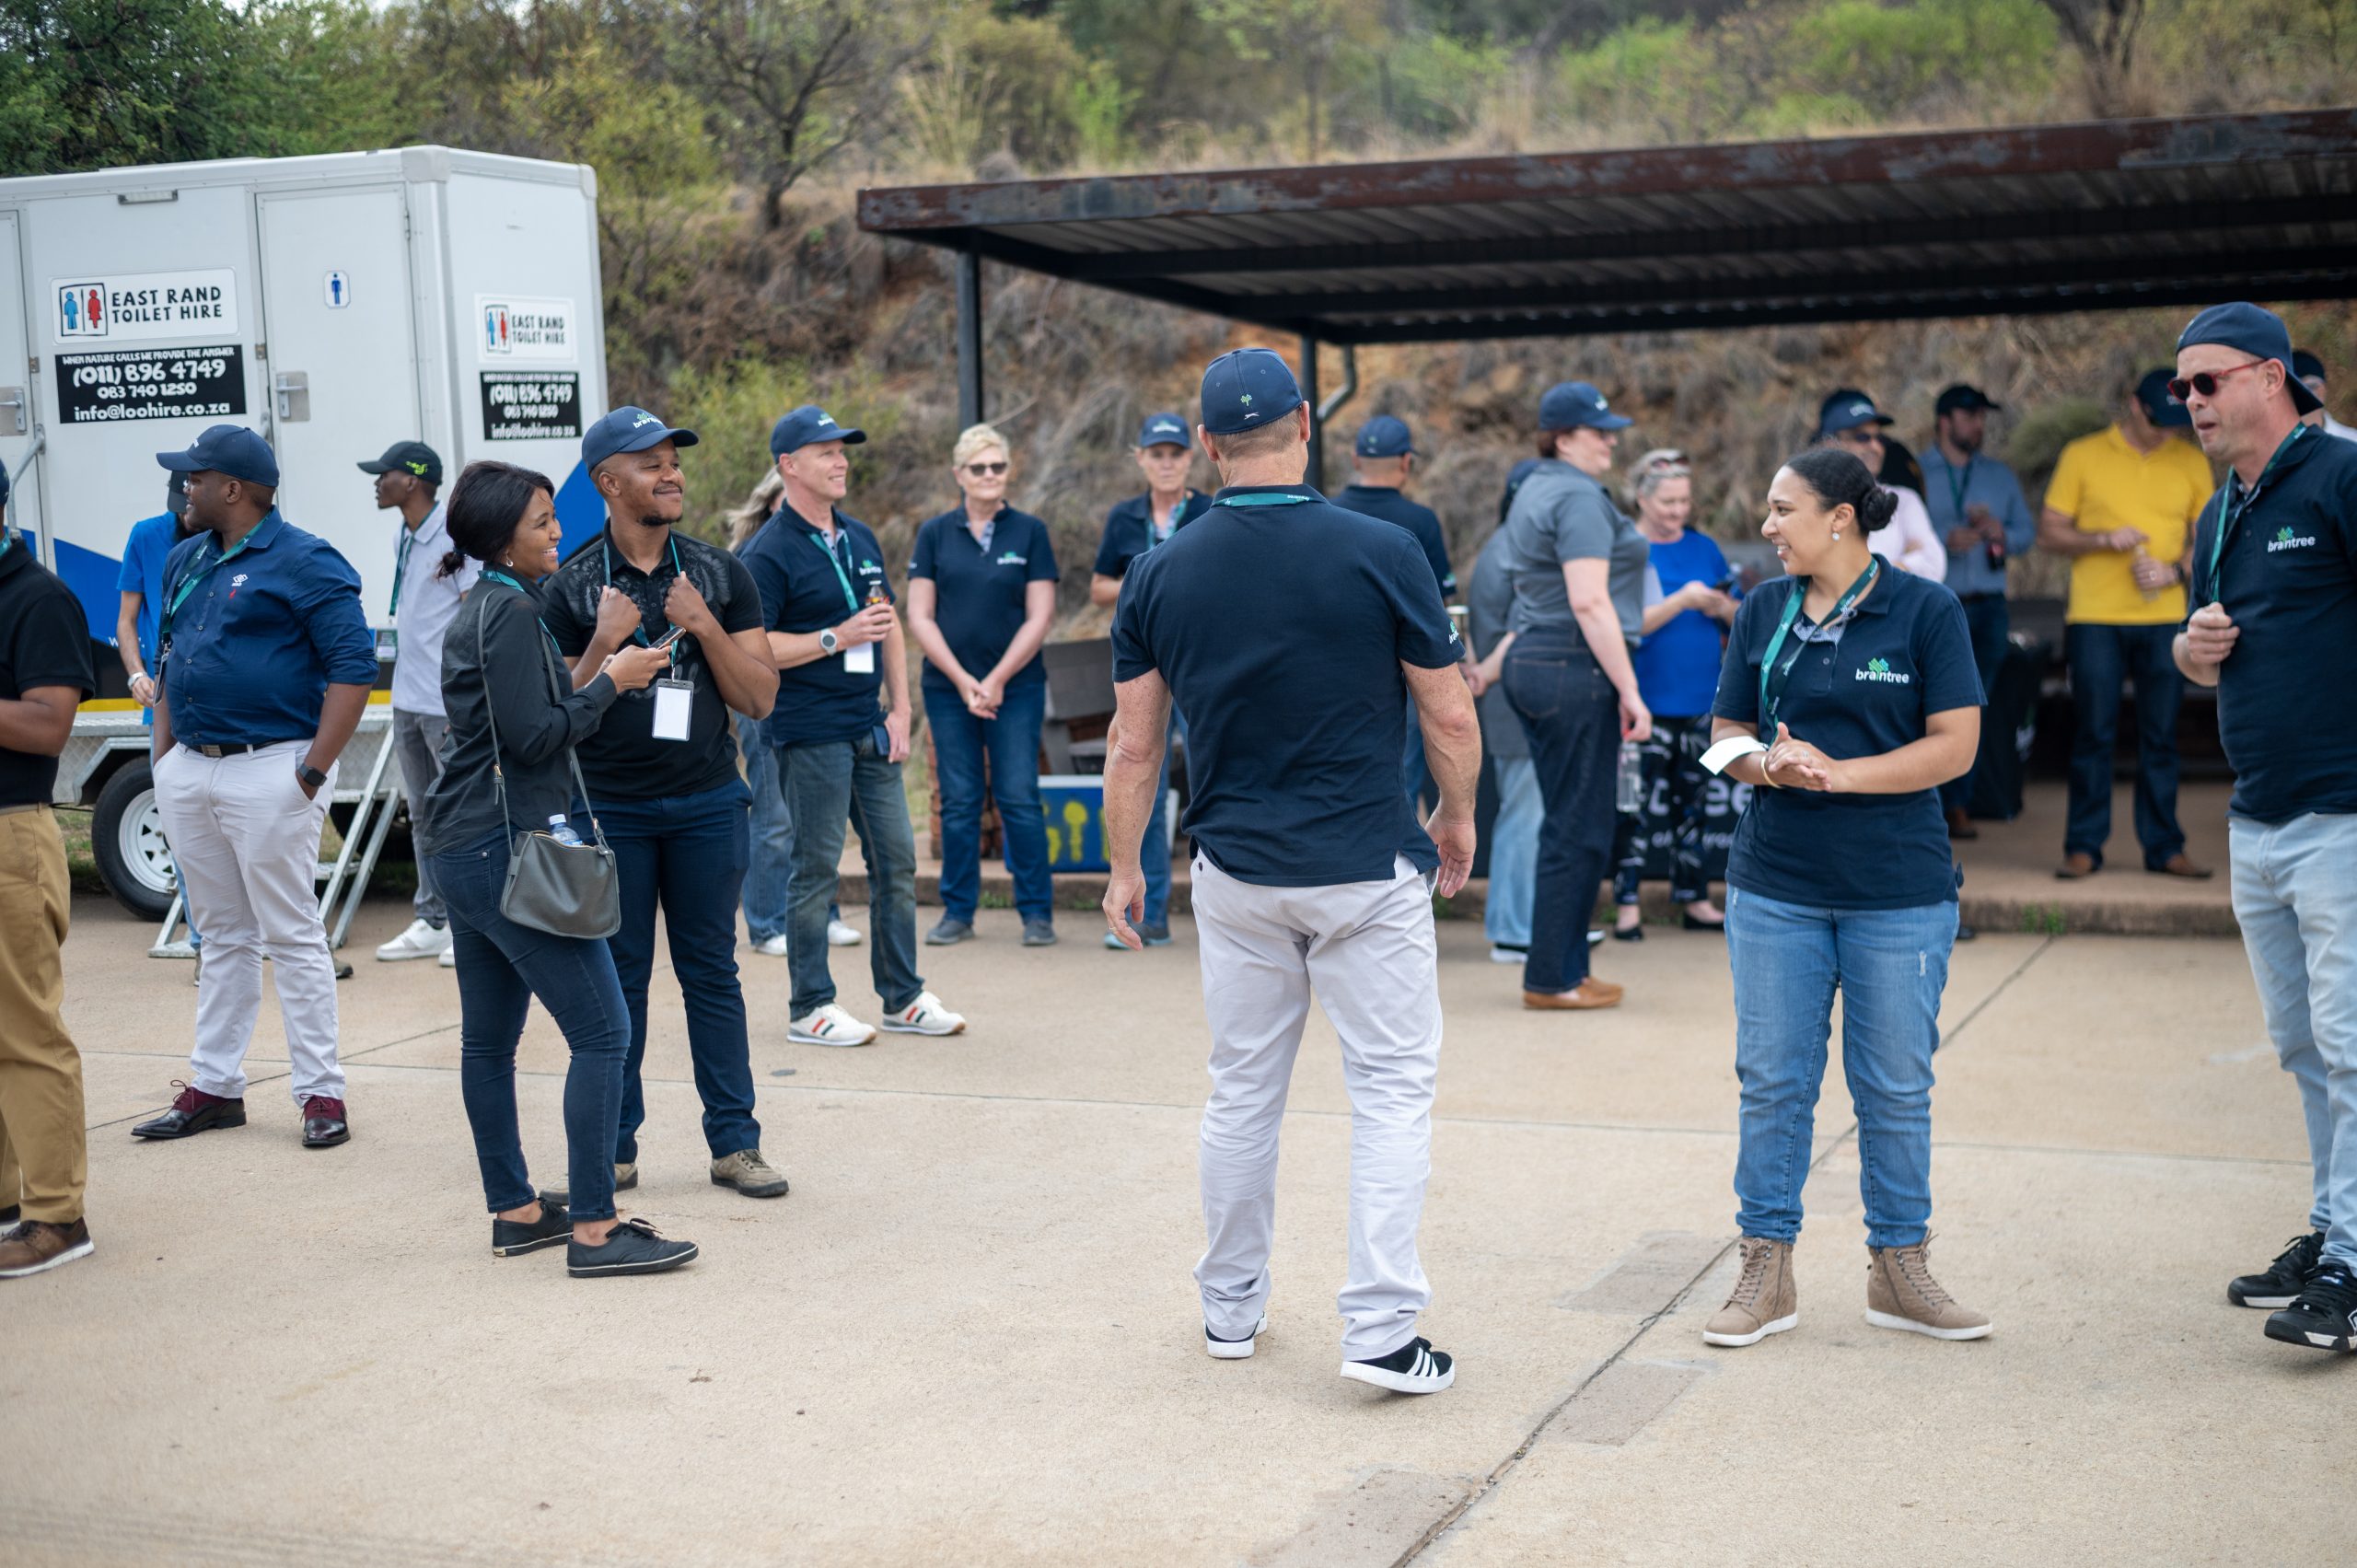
(1383, 436)
(1569, 405)
(1846, 408)
(808, 423)
(228, 448)
(2153, 391)
(2258, 333)
(1965, 399)
(1247, 389)
(1165, 430)
(628, 430)
(412, 458)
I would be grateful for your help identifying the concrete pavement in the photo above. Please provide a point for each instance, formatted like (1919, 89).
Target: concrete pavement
(969, 1334)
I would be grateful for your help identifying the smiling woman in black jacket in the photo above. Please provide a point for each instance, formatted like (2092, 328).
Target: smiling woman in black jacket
(507, 768)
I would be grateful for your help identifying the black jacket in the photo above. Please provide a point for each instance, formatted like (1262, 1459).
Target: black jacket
(514, 662)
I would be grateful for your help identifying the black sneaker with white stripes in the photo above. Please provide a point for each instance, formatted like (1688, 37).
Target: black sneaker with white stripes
(1234, 1350)
(2284, 1279)
(2325, 1316)
(632, 1246)
(1415, 1368)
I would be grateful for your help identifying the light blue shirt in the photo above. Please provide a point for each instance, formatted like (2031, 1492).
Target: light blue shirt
(1984, 481)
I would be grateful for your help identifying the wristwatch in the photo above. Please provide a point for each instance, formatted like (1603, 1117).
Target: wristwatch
(309, 775)
(829, 643)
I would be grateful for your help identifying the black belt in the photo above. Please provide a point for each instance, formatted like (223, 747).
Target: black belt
(1975, 599)
(238, 748)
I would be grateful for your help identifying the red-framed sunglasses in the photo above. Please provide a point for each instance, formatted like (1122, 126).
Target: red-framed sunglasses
(2206, 381)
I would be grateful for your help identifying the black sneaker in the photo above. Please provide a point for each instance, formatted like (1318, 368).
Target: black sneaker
(1234, 1350)
(632, 1246)
(2325, 1317)
(2284, 1278)
(1415, 1368)
(1039, 933)
(512, 1238)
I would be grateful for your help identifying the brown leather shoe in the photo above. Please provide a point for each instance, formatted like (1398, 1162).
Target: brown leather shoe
(1588, 995)
(34, 1246)
(2178, 865)
(2075, 865)
(1960, 824)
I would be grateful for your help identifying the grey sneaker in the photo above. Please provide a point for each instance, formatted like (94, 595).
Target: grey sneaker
(625, 1178)
(1765, 1300)
(748, 1172)
(949, 933)
(1039, 933)
(1901, 1293)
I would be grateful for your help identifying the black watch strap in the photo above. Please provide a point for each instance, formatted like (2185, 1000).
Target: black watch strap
(309, 775)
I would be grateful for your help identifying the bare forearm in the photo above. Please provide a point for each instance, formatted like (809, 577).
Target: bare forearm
(894, 651)
(1029, 638)
(937, 652)
(1743, 769)
(791, 650)
(1452, 749)
(38, 723)
(1916, 766)
(126, 640)
(593, 658)
(339, 716)
(1133, 767)
(1103, 590)
(743, 675)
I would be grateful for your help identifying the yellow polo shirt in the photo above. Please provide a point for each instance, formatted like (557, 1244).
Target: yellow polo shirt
(2102, 483)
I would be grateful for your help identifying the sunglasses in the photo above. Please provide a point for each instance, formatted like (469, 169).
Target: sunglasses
(1858, 435)
(977, 470)
(2206, 382)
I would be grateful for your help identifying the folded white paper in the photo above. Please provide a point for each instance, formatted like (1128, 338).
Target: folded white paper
(1718, 757)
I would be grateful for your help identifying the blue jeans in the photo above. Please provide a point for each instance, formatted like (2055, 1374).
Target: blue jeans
(771, 872)
(1012, 742)
(830, 785)
(502, 966)
(1514, 854)
(1890, 967)
(1988, 622)
(686, 853)
(2297, 905)
(2100, 659)
(1572, 717)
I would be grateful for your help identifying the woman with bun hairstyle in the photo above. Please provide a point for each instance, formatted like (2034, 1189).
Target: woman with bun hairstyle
(1859, 678)
(507, 769)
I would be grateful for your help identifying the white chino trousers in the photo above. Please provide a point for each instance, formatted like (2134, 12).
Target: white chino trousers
(246, 844)
(1368, 952)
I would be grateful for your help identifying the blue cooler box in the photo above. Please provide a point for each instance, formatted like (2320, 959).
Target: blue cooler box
(1075, 805)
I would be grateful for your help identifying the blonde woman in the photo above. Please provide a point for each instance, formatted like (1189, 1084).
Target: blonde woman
(981, 592)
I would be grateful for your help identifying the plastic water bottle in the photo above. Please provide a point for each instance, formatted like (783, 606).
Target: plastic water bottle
(562, 831)
(1628, 787)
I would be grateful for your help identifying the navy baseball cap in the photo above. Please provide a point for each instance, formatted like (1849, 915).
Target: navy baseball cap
(228, 448)
(628, 429)
(2304, 365)
(808, 423)
(1165, 430)
(1846, 408)
(2153, 391)
(1570, 404)
(1383, 436)
(2258, 333)
(1963, 398)
(1247, 389)
(413, 458)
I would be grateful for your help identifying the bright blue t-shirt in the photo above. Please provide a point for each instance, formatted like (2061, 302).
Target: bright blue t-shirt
(1290, 681)
(1902, 657)
(144, 555)
(1678, 664)
(979, 590)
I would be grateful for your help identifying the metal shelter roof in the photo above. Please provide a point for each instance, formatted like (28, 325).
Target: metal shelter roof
(2097, 217)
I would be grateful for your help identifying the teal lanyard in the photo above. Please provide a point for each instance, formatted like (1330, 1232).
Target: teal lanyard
(1177, 516)
(1960, 480)
(842, 577)
(400, 568)
(2230, 513)
(203, 570)
(606, 551)
(1773, 681)
(1259, 499)
(496, 576)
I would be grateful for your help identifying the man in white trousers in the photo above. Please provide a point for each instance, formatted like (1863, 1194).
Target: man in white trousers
(1311, 873)
(267, 662)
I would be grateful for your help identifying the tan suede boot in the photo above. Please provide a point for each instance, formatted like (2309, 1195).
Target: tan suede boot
(1765, 1301)
(1901, 1293)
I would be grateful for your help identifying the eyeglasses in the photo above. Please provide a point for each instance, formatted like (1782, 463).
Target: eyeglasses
(2206, 381)
(977, 470)
(1858, 435)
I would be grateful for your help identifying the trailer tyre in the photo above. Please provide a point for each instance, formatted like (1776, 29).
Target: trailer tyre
(127, 840)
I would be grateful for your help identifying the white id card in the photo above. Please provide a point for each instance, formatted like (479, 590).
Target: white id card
(1719, 758)
(860, 660)
(674, 700)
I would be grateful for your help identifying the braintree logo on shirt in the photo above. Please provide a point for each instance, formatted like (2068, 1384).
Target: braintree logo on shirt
(2286, 539)
(1879, 669)
(1012, 559)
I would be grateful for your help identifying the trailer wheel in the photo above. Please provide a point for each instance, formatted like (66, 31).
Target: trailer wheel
(127, 841)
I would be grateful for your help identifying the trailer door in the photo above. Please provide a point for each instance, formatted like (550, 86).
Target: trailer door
(17, 419)
(341, 371)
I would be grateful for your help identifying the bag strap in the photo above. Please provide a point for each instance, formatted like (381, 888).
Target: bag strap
(572, 755)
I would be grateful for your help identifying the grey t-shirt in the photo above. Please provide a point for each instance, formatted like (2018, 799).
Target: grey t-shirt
(1558, 514)
(1488, 600)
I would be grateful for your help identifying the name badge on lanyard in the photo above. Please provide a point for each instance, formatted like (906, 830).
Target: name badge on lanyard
(860, 658)
(675, 703)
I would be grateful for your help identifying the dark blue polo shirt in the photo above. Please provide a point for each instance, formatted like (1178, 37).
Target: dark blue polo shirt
(1904, 657)
(260, 635)
(821, 700)
(1129, 530)
(2287, 695)
(1382, 501)
(979, 589)
(1291, 683)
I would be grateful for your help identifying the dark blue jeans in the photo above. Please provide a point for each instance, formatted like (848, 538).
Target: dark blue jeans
(1989, 622)
(771, 867)
(1572, 717)
(1011, 741)
(502, 966)
(829, 786)
(2101, 658)
(688, 853)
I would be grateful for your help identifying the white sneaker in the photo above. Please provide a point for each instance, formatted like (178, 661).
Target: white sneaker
(420, 941)
(773, 947)
(925, 1016)
(1234, 1350)
(829, 1026)
(449, 958)
(1507, 956)
(841, 935)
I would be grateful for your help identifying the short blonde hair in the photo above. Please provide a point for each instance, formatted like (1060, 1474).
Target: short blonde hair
(976, 439)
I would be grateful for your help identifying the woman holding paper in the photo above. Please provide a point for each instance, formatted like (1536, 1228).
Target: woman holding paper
(1848, 696)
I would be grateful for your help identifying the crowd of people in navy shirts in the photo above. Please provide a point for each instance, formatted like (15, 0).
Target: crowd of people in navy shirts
(710, 724)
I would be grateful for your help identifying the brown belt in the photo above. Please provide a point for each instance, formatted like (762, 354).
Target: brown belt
(28, 806)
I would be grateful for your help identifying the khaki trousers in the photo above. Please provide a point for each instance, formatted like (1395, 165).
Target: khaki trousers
(43, 1153)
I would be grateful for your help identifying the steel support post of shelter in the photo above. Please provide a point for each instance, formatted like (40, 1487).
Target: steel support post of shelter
(970, 338)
